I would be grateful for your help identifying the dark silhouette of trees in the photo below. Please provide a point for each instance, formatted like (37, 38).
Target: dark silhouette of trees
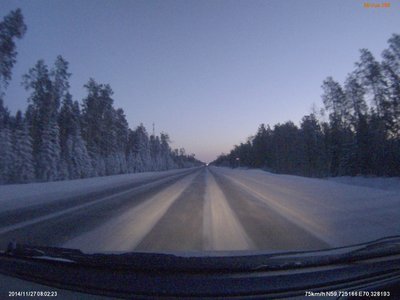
(362, 135)
(12, 27)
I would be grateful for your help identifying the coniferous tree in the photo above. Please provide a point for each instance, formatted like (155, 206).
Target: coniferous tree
(43, 114)
(356, 139)
(121, 133)
(155, 153)
(314, 162)
(141, 149)
(50, 143)
(80, 166)
(66, 123)
(359, 156)
(261, 145)
(131, 154)
(97, 110)
(371, 75)
(23, 166)
(60, 77)
(6, 155)
(48, 158)
(286, 155)
(74, 154)
(335, 103)
(12, 27)
(391, 71)
(165, 152)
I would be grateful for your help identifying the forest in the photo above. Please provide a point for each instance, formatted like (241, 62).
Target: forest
(58, 138)
(356, 132)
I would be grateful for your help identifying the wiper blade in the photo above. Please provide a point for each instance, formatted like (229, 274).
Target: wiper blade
(378, 248)
(42, 252)
(146, 275)
(231, 262)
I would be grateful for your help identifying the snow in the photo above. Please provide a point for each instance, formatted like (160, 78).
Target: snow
(338, 213)
(126, 231)
(383, 183)
(15, 196)
(76, 207)
(221, 227)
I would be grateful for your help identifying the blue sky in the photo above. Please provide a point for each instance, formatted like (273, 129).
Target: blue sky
(206, 72)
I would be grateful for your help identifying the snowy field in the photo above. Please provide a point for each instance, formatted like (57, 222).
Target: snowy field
(340, 211)
(13, 196)
(202, 209)
(383, 183)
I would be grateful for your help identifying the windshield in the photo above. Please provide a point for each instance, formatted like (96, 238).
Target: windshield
(199, 127)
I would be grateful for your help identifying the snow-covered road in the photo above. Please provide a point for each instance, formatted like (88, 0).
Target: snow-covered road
(203, 209)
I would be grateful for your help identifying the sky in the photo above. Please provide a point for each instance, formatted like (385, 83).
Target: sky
(206, 72)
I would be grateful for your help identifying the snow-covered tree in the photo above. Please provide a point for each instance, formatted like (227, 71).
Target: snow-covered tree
(42, 116)
(48, 158)
(52, 143)
(168, 163)
(6, 155)
(23, 165)
(141, 150)
(95, 106)
(121, 131)
(60, 77)
(12, 27)
(74, 156)
(155, 153)
(78, 159)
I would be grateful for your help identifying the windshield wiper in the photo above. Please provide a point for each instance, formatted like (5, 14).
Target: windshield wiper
(382, 247)
(223, 262)
(256, 275)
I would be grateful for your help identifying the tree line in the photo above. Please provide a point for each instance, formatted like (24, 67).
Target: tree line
(58, 138)
(357, 131)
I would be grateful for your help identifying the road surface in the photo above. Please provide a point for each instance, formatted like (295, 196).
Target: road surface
(201, 209)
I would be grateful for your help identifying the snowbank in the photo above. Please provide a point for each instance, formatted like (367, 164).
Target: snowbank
(15, 196)
(383, 183)
(338, 213)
